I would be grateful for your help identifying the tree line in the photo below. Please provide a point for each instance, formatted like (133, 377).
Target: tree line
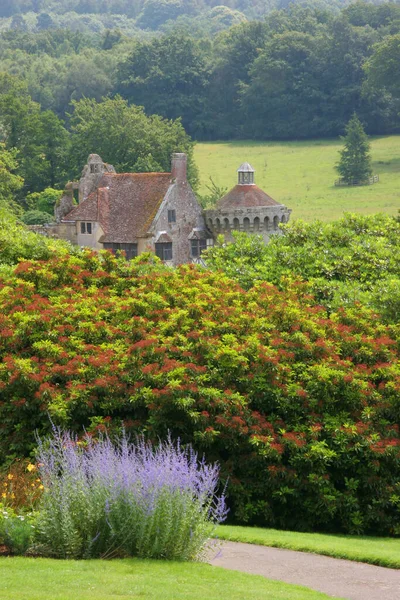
(301, 73)
(44, 152)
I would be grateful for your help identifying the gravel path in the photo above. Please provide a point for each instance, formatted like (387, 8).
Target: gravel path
(335, 577)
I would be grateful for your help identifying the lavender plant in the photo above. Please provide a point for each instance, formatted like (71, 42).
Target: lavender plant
(105, 499)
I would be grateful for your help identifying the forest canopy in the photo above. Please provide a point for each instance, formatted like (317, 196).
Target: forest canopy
(301, 72)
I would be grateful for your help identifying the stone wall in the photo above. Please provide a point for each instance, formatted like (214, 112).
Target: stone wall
(189, 216)
(63, 231)
(264, 221)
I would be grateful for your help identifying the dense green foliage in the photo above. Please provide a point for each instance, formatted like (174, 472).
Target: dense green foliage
(354, 259)
(124, 136)
(354, 165)
(17, 243)
(301, 408)
(36, 217)
(49, 154)
(301, 72)
(16, 530)
(10, 183)
(39, 136)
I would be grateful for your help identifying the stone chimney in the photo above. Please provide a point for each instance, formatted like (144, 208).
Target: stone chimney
(65, 204)
(178, 167)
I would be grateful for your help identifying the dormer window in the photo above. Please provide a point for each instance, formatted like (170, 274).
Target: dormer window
(95, 168)
(171, 216)
(245, 174)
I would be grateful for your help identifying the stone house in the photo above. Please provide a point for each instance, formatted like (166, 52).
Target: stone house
(248, 208)
(135, 212)
(138, 212)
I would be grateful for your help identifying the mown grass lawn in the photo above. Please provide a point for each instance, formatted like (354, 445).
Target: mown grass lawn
(373, 550)
(46, 579)
(301, 175)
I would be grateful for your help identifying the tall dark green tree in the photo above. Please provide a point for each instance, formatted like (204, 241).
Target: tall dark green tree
(168, 76)
(355, 159)
(39, 136)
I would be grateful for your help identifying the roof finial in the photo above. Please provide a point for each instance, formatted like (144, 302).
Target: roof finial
(246, 174)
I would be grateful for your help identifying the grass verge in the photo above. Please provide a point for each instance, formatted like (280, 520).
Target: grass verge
(39, 579)
(373, 550)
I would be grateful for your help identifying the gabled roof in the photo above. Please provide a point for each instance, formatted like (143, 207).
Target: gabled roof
(124, 204)
(86, 211)
(245, 196)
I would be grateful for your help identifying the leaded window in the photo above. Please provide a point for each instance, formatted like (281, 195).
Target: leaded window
(197, 247)
(86, 227)
(164, 250)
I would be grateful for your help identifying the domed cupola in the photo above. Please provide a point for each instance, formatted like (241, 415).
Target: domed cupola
(245, 174)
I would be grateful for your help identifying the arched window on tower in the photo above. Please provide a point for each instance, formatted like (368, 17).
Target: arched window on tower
(267, 224)
(276, 222)
(217, 224)
(256, 224)
(226, 224)
(246, 224)
(236, 224)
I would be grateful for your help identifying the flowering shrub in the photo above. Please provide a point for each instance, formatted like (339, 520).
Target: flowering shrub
(300, 408)
(20, 485)
(104, 500)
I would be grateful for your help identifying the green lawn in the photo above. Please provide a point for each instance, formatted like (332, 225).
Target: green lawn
(42, 579)
(373, 550)
(301, 174)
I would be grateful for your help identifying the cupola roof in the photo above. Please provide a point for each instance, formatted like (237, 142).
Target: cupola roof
(245, 196)
(245, 168)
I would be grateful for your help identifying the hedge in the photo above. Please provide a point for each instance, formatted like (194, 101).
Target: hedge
(300, 408)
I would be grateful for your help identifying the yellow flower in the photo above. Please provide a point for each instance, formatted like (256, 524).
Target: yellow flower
(31, 467)
(41, 487)
(10, 476)
(13, 495)
(4, 495)
(32, 485)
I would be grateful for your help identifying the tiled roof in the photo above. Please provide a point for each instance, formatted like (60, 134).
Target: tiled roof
(163, 237)
(245, 196)
(86, 211)
(125, 204)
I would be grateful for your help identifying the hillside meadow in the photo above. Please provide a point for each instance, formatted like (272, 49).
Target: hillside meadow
(301, 175)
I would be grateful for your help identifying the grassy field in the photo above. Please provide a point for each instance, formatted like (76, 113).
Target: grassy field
(42, 579)
(373, 550)
(301, 175)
